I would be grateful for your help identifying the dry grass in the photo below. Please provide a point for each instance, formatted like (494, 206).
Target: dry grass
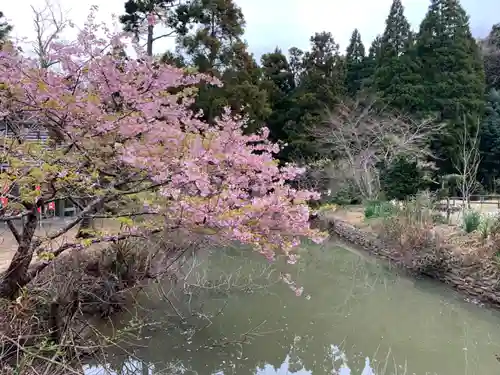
(83, 286)
(352, 214)
(452, 236)
(489, 207)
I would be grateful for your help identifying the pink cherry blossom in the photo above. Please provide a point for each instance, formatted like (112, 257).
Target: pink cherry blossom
(118, 114)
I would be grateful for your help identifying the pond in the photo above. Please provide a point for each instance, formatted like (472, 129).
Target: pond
(356, 316)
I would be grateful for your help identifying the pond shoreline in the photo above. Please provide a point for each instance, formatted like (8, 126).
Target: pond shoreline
(479, 282)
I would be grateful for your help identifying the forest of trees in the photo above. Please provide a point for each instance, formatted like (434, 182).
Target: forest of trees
(439, 75)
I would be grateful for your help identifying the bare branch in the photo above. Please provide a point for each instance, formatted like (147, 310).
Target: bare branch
(467, 162)
(49, 23)
(163, 36)
(78, 246)
(14, 231)
(362, 138)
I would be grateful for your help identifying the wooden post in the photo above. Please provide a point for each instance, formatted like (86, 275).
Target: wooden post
(448, 209)
(61, 208)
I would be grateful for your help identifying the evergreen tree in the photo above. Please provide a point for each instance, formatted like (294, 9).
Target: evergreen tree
(296, 65)
(402, 179)
(451, 72)
(174, 59)
(242, 89)
(371, 61)
(491, 55)
(397, 34)
(217, 26)
(494, 36)
(375, 47)
(5, 28)
(278, 81)
(490, 141)
(277, 71)
(324, 69)
(395, 77)
(320, 85)
(170, 13)
(355, 60)
(214, 46)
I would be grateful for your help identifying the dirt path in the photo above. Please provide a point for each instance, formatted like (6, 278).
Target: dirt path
(8, 244)
(485, 208)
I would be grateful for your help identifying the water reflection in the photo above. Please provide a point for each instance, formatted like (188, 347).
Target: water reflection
(290, 366)
(357, 310)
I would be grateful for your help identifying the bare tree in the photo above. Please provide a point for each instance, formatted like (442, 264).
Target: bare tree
(49, 22)
(362, 138)
(466, 162)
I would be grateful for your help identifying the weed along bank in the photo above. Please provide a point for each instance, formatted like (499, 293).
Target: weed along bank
(466, 261)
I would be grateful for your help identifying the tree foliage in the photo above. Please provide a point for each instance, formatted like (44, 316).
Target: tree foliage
(278, 80)
(451, 72)
(355, 61)
(320, 83)
(490, 142)
(490, 48)
(401, 179)
(5, 28)
(214, 45)
(396, 72)
(142, 15)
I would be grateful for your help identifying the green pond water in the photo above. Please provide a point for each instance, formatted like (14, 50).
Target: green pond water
(356, 316)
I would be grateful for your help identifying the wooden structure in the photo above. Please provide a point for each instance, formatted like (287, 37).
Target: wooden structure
(32, 133)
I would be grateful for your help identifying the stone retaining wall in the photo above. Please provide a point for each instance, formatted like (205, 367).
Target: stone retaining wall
(479, 281)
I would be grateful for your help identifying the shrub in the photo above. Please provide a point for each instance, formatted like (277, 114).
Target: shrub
(419, 209)
(439, 218)
(374, 209)
(471, 220)
(402, 179)
(411, 231)
(488, 224)
(370, 210)
(344, 196)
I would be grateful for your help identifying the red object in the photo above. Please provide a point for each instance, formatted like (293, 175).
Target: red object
(52, 206)
(37, 188)
(4, 201)
(151, 19)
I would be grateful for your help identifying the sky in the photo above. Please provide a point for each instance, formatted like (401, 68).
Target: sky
(271, 23)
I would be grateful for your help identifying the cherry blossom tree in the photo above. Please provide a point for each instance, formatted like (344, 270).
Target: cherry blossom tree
(124, 145)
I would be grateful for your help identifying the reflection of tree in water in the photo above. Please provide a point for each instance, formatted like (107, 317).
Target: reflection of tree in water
(294, 359)
(287, 343)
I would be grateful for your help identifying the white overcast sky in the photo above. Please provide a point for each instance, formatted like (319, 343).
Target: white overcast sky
(283, 23)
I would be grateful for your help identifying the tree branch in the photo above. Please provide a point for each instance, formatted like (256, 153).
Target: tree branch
(79, 246)
(14, 231)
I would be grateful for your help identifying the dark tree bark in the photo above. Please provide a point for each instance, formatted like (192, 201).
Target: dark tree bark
(16, 275)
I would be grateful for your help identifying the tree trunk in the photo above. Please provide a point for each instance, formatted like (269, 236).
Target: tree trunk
(16, 275)
(87, 222)
(149, 50)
